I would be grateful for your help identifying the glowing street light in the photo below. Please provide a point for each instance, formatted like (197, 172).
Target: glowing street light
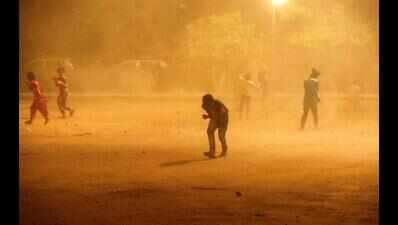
(278, 3)
(275, 5)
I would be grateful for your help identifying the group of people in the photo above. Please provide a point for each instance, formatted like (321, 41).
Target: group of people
(40, 100)
(217, 112)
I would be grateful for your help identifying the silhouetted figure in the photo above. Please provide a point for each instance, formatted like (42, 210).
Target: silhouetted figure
(39, 100)
(355, 97)
(218, 115)
(63, 92)
(262, 80)
(311, 98)
(246, 94)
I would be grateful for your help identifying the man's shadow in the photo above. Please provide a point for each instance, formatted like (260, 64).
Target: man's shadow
(183, 162)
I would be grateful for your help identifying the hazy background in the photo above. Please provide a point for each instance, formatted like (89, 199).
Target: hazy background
(205, 44)
(133, 151)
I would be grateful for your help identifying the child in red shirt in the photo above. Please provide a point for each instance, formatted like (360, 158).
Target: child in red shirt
(39, 100)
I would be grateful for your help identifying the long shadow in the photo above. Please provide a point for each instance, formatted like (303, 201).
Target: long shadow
(182, 162)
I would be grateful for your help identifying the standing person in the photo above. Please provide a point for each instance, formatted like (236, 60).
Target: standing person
(354, 101)
(61, 83)
(355, 97)
(262, 79)
(246, 86)
(311, 98)
(218, 115)
(39, 100)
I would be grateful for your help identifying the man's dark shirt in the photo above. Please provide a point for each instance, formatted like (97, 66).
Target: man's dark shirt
(311, 87)
(218, 112)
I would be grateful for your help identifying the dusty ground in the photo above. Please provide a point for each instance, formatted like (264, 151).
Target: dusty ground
(124, 161)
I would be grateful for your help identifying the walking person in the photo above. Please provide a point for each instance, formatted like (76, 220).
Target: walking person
(262, 80)
(311, 98)
(246, 93)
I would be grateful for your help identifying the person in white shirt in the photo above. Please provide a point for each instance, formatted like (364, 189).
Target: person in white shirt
(246, 94)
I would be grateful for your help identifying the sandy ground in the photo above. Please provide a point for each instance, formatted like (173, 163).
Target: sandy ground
(122, 161)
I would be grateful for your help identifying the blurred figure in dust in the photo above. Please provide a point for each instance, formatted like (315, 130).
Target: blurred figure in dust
(355, 98)
(61, 83)
(39, 100)
(246, 92)
(218, 114)
(311, 98)
(262, 79)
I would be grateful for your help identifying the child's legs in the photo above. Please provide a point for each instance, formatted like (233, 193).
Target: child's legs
(304, 116)
(210, 135)
(65, 100)
(61, 104)
(314, 111)
(33, 109)
(42, 107)
(244, 104)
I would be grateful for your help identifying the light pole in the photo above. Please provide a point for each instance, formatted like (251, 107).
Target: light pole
(275, 5)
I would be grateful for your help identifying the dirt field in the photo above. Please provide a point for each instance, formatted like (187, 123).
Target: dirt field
(122, 161)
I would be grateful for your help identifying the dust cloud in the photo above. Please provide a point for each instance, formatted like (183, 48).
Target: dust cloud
(137, 71)
(205, 46)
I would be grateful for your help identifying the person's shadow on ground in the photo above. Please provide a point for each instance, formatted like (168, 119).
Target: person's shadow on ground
(182, 162)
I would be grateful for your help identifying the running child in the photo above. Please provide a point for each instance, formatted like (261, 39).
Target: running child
(61, 83)
(39, 100)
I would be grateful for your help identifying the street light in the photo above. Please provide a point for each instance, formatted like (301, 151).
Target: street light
(275, 5)
(278, 3)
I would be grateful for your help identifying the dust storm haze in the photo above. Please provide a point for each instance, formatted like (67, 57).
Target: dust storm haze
(137, 70)
(199, 40)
